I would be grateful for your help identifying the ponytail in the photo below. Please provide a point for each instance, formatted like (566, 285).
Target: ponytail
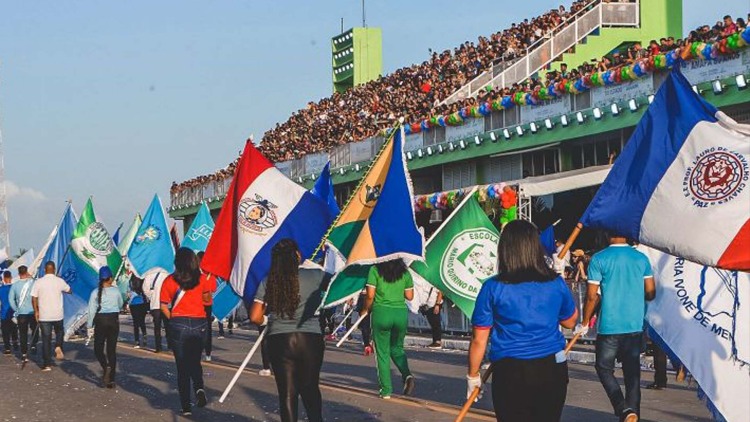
(99, 296)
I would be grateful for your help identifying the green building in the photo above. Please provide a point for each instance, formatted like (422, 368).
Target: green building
(356, 57)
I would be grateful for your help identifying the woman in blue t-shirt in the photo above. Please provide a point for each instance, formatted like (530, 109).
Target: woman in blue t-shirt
(519, 311)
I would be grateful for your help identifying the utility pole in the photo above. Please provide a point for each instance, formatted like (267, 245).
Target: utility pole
(364, 23)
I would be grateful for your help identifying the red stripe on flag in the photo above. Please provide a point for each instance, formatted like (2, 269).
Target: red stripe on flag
(222, 248)
(737, 255)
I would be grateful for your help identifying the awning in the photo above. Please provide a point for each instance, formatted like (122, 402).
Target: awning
(563, 181)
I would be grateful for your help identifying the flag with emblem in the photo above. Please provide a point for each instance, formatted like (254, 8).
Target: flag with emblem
(682, 182)
(58, 250)
(122, 275)
(199, 233)
(92, 248)
(152, 246)
(377, 224)
(262, 207)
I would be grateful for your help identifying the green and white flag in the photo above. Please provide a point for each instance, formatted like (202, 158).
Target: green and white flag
(123, 274)
(92, 248)
(127, 240)
(461, 255)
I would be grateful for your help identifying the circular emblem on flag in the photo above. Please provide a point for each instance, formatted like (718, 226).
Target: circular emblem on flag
(257, 215)
(716, 176)
(98, 239)
(151, 234)
(469, 259)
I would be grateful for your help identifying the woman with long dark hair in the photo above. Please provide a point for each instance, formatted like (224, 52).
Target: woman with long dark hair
(138, 306)
(104, 324)
(389, 286)
(520, 310)
(290, 295)
(183, 298)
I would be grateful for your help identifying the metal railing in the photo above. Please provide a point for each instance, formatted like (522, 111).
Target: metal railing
(553, 44)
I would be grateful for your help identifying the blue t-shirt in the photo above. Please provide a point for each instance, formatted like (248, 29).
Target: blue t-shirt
(524, 317)
(6, 312)
(620, 270)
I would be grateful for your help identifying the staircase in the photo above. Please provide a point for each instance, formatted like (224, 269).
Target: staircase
(622, 19)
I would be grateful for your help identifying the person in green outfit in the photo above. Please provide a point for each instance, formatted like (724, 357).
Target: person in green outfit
(389, 285)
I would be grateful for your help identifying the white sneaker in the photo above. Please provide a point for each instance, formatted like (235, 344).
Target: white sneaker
(207, 359)
(264, 372)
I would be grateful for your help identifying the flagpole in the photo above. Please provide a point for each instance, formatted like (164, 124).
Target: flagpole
(242, 367)
(343, 321)
(572, 238)
(351, 330)
(356, 189)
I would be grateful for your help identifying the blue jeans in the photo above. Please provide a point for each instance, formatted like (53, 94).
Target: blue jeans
(626, 347)
(46, 328)
(187, 336)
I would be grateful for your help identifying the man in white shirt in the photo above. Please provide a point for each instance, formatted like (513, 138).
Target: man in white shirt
(152, 281)
(46, 296)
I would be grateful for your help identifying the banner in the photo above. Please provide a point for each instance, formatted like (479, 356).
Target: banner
(697, 71)
(702, 315)
(604, 96)
(549, 108)
(470, 127)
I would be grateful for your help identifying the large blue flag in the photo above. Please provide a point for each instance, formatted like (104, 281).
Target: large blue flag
(200, 231)
(323, 188)
(152, 246)
(75, 307)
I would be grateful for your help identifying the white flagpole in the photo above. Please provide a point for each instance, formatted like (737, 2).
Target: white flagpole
(343, 321)
(351, 330)
(242, 367)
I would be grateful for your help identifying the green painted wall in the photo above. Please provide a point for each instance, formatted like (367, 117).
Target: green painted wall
(366, 61)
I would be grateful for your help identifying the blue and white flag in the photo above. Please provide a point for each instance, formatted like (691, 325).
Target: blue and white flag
(200, 231)
(682, 183)
(701, 318)
(75, 308)
(152, 246)
(225, 300)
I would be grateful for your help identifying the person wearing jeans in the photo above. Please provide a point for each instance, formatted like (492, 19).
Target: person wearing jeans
(20, 301)
(184, 295)
(46, 298)
(626, 281)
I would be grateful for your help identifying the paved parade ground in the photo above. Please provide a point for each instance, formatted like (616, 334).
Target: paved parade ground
(146, 388)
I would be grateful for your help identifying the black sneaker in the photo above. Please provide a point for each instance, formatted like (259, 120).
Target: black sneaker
(435, 345)
(6, 352)
(186, 412)
(33, 350)
(409, 384)
(200, 398)
(655, 386)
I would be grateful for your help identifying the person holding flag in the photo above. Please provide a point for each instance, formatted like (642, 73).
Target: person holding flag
(182, 299)
(519, 312)
(290, 295)
(20, 301)
(105, 304)
(389, 285)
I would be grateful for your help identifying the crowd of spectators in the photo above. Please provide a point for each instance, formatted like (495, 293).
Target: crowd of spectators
(417, 91)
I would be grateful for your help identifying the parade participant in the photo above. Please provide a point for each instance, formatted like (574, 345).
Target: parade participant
(105, 304)
(365, 327)
(183, 297)
(46, 297)
(660, 368)
(20, 301)
(290, 295)
(211, 281)
(7, 325)
(265, 371)
(138, 306)
(230, 324)
(152, 285)
(431, 311)
(389, 284)
(519, 312)
(626, 281)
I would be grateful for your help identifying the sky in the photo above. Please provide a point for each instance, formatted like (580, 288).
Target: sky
(115, 99)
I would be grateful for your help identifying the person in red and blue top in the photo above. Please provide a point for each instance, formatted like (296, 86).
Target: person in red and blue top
(519, 312)
(183, 298)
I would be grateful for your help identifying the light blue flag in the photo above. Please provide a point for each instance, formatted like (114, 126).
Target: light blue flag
(75, 307)
(225, 300)
(199, 233)
(152, 246)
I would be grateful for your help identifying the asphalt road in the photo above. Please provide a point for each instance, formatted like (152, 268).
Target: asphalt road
(146, 388)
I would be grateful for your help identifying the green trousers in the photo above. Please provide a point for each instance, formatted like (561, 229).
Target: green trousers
(388, 331)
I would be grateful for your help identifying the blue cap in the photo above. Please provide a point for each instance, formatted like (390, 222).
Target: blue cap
(105, 273)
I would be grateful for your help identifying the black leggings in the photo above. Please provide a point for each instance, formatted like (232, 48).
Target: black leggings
(529, 390)
(138, 312)
(106, 329)
(296, 359)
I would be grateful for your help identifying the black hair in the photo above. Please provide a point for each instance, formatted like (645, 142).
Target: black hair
(7, 274)
(23, 270)
(392, 270)
(49, 267)
(99, 294)
(521, 256)
(136, 284)
(282, 284)
(186, 271)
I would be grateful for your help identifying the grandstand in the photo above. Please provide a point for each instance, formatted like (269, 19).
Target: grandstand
(553, 133)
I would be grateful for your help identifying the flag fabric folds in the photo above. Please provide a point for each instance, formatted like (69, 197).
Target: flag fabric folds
(152, 246)
(376, 225)
(461, 254)
(199, 233)
(323, 188)
(262, 207)
(116, 236)
(174, 236)
(127, 240)
(34, 267)
(547, 237)
(27, 259)
(225, 300)
(682, 182)
(701, 318)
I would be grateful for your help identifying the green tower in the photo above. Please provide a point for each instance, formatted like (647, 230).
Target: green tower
(357, 57)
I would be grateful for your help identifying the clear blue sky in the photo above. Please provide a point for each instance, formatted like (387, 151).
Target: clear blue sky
(117, 99)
